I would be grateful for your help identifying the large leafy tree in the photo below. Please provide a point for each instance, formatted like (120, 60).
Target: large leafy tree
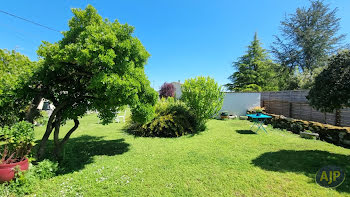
(255, 71)
(307, 39)
(15, 72)
(331, 90)
(98, 65)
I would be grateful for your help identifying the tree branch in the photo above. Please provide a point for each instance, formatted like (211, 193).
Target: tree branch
(65, 139)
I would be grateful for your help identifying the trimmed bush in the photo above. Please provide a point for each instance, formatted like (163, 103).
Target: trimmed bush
(173, 119)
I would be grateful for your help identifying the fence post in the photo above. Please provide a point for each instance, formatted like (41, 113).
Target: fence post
(337, 117)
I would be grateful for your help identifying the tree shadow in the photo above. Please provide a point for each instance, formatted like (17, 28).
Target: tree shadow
(307, 162)
(81, 150)
(245, 132)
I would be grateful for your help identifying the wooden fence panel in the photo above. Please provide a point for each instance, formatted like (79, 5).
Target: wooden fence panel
(345, 116)
(294, 104)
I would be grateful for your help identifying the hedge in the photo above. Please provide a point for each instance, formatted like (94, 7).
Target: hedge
(329, 133)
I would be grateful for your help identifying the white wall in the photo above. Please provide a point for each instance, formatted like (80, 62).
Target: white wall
(178, 90)
(238, 103)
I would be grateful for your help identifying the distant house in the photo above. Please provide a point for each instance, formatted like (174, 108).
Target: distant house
(45, 105)
(178, 89)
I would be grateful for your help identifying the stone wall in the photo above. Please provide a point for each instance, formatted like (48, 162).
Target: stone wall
(333, 134)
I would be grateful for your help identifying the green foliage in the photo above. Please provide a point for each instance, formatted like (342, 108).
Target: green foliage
(24, 181)
(328, 133)
(21, 185)
(173, 119)
(45, 169)
(331, 90)
(164, 103)
(250, 88)
(18, 141)
(308, 131)
(15, 72)
(97, 65)
(42, 119)
(310, 36)
(255, 71)
(295, 78)
(204, 97)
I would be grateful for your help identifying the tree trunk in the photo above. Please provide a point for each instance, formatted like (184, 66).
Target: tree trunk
(59, 146)
(49, 129)
(57, 129)
(46, 136)
(58, 152)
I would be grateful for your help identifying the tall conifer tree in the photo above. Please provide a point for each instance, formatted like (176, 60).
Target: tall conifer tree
(255, 71)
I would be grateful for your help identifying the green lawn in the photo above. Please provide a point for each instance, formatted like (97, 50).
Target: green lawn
(224, 160)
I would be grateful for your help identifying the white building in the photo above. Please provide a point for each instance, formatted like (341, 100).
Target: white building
(178, 90)
(237, 103)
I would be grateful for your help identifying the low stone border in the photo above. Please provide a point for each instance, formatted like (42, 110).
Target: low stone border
(329, 133)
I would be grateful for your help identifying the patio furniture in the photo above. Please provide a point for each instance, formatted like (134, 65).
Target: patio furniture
(258, 121)
(120, 115)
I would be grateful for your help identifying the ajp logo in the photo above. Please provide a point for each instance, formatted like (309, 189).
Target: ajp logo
(330, 176)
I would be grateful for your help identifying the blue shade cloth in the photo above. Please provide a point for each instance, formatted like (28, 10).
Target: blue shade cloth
(261, 116)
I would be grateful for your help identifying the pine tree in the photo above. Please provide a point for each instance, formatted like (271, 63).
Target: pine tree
(255, 71)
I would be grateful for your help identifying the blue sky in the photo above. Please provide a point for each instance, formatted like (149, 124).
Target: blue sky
(186, 38)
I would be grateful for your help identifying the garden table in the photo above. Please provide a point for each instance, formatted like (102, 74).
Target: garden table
(258, 120)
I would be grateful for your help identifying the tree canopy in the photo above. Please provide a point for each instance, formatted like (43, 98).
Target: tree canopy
(255, 71)
(98, 65)
(204, 97)
(331, 90)
(308, 38)
(15, 72)
(167, 90)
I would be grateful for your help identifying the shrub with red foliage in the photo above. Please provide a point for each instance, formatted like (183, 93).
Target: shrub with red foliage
(167, 90)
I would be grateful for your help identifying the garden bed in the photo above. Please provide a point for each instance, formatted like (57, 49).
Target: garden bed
(329, 133)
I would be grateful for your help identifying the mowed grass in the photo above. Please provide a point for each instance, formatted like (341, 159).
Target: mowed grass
(225, 160)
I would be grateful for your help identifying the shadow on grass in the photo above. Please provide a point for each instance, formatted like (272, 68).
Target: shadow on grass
(307, 162)
(80, 151)
(245, 132)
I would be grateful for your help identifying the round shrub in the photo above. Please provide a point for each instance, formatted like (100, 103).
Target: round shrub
(173, 119)
(204, 97)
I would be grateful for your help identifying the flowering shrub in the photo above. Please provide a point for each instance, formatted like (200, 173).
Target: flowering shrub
(256, 109)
